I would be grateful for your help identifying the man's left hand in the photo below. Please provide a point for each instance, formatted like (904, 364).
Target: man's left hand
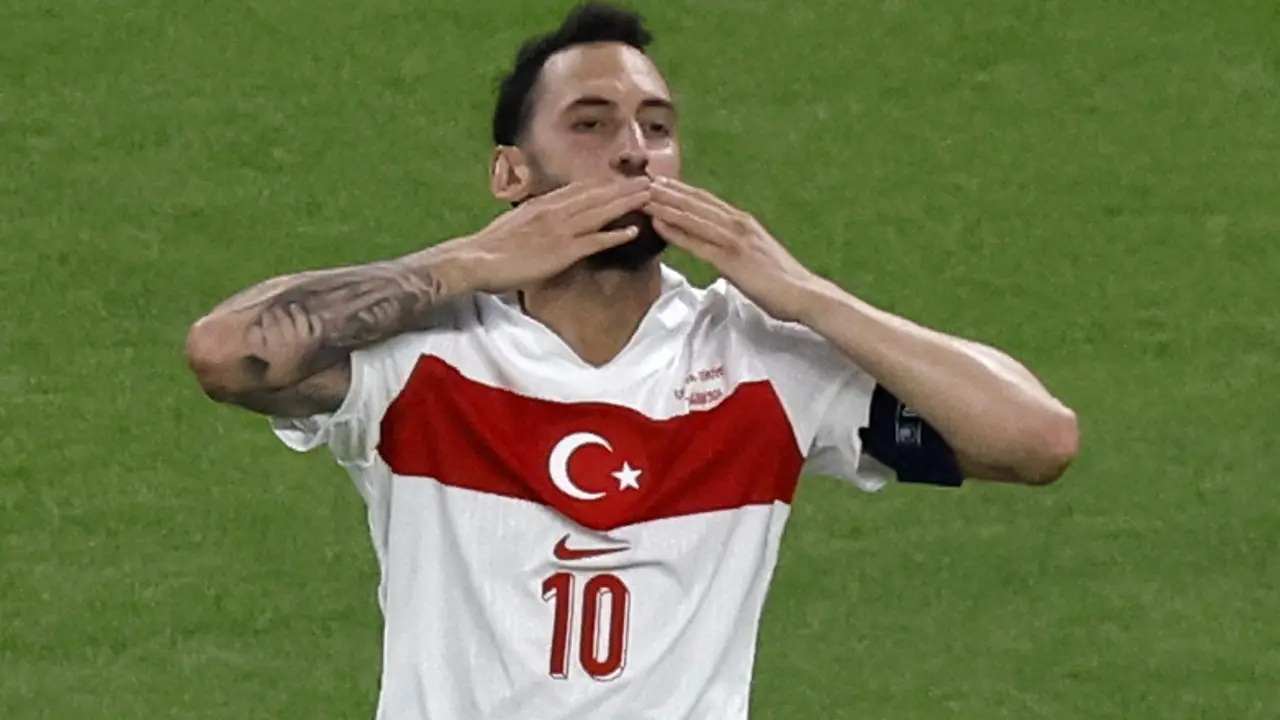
(733, 242)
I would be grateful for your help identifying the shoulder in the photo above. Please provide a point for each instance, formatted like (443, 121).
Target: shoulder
(393, 359)
(372, 378)
(804, 368)
(762, 332)
(457, 316)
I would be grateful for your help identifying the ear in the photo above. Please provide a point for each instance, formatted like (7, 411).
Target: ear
(510, 176)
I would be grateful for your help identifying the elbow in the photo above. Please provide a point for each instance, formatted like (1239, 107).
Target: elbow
(212, 359)
(1051, 446)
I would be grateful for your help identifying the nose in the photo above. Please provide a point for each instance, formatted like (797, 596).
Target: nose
(632, 157)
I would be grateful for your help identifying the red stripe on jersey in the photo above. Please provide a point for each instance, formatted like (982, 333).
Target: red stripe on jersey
(602, 466)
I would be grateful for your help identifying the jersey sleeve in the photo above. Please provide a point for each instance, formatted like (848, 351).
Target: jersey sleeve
(848, 426)
(378, 373)
(350, 432)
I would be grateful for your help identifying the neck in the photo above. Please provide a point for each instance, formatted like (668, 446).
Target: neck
(595, 312)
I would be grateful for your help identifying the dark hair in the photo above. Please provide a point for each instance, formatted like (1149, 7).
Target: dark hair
(590, 22)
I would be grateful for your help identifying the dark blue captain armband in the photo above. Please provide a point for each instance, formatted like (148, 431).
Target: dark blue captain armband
(900, 439)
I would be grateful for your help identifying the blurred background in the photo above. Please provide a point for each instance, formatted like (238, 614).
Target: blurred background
(1093, 186)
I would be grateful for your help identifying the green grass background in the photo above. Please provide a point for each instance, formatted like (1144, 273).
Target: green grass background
(1094, 186)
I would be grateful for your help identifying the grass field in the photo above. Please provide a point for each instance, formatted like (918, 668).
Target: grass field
(1094, 186)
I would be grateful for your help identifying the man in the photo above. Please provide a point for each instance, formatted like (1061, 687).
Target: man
(578, 467)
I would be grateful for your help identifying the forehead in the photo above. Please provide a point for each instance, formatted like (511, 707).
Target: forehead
(611, 70)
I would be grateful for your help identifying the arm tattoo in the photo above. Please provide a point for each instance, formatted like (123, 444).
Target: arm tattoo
(299, 326)
(322, 392)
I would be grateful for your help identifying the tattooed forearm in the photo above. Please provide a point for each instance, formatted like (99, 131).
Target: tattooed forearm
(309, 325)
(257, 347)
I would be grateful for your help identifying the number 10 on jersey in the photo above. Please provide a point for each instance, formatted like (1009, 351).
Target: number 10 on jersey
(598, 621)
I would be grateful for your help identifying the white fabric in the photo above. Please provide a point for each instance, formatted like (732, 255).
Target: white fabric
(468, 611)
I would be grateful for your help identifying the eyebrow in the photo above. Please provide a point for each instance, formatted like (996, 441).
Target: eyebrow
(594, 101)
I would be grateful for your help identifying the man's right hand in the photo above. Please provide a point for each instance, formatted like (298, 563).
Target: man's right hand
(546, 235)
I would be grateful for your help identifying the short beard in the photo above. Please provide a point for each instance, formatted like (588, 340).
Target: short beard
(634, 254)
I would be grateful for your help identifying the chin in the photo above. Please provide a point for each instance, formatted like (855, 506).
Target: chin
(634, 254)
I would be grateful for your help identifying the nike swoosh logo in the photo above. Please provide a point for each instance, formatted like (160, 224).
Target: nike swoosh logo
(565, 553)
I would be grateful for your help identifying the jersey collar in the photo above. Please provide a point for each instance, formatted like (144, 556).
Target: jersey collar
(654, 344)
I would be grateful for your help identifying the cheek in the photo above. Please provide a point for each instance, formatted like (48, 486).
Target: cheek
(563, 164)
(666, 162)
(583, 154)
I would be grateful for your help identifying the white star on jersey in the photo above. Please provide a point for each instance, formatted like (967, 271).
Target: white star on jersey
(628, 477)
(497, 605)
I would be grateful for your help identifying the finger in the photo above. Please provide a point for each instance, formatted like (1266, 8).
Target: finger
(592, 193)
(597, 216)
(684, 240)
(707, 197)
(681, 200)
(684, 189)
(700, 228)
(565, 195)
(598, 241)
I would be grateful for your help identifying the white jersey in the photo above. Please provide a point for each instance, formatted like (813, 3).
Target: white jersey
(559, 541)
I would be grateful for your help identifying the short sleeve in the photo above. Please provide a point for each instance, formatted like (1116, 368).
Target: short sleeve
(837, 449)
(351, 431)
(378, 373)
(849, 426)
(825, 395)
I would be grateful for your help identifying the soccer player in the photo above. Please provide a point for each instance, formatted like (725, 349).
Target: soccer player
(578, 466)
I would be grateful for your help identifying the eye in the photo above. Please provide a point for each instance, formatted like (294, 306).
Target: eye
(659, 128)
(586, 125)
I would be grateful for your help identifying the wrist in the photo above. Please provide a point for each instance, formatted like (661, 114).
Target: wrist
(448, 266)
(816, 299)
